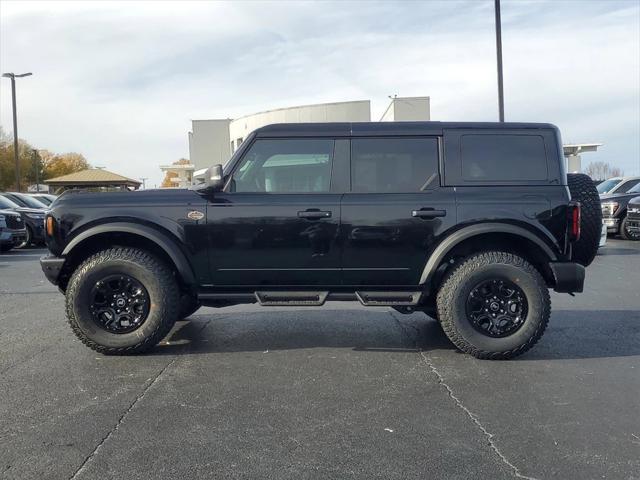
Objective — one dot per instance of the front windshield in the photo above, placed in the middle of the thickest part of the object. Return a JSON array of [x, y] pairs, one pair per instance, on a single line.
[[8, 204], [31, 202], [607, 185]]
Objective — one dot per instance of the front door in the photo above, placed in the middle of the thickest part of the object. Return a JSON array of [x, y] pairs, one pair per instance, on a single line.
[[277, 221], [395, 211]]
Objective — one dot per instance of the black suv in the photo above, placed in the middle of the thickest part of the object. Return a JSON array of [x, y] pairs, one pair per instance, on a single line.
[[471, 223], [615, 213]]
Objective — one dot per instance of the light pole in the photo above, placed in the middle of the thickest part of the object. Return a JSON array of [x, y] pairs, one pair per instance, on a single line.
[[144, 182], [13, 77], [499, 55], [36, 162]]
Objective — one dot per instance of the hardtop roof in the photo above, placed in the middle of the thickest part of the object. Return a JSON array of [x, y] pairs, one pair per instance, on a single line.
[[385, 128]]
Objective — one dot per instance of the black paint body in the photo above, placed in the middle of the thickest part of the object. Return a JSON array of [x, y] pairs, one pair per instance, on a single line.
[[247, 242]]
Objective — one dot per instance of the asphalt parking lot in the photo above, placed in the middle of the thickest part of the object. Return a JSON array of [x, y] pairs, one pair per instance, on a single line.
[[340, 392]]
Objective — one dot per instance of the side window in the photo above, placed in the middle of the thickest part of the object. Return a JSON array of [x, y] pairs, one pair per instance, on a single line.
[[503, 158], [285, 166], [626, 186], [393, 165]]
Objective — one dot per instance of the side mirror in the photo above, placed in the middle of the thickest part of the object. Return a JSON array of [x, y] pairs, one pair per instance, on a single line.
[[214, 178]]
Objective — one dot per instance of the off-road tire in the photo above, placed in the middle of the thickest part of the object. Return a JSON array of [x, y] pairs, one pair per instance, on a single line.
[[459, 282], [151, 272], [188, 305], [626, 235], [584, 191]]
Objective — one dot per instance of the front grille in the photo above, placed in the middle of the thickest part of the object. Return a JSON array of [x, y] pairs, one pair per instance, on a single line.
[[14, 221], [633, 213]]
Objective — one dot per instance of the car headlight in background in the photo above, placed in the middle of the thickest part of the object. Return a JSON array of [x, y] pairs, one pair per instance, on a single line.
[[2, 217], [609, 208]]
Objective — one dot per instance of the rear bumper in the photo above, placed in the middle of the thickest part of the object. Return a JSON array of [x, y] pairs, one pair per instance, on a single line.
[[51, 266], [569, 276]]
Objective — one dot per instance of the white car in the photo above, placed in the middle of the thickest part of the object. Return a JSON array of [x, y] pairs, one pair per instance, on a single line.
[[617, 185]]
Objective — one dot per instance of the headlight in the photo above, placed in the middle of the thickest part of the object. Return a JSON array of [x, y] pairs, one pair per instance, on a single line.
[[2, 217], [609, 208]]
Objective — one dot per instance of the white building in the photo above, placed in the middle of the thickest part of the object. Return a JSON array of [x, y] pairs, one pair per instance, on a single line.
[[214, 141]]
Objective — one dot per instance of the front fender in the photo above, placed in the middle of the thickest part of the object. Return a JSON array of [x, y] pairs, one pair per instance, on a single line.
[[162, 240]]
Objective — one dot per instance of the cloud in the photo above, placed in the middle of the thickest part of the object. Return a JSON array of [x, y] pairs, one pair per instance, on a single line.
[[120, 81]]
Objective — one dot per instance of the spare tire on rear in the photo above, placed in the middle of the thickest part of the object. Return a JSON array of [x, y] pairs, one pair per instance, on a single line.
[[583, 190]]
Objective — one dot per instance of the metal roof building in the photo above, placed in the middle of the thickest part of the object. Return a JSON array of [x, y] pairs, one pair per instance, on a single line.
[[95, 178]]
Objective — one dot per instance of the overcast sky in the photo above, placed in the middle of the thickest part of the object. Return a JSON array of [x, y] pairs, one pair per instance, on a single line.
[[120, 82]]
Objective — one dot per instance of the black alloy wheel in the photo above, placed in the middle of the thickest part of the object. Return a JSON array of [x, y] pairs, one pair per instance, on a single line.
[[497, 307], [119, 303]]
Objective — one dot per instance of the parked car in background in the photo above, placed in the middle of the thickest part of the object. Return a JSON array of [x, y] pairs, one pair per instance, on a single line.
[[25, 200], [615, 213], [633, 218], [33, 218], [13, 232], [617, 185], [45, 198]]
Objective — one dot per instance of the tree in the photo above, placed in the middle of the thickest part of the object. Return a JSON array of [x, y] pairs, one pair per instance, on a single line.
[[166, 182], [48, 164], [602, 171], [57, 165]]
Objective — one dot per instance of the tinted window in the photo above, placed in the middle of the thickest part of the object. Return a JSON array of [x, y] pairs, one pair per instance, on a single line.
[[8, 204], [285, 166], [607, 185], [393, 165], [627, 186], [503, 158]]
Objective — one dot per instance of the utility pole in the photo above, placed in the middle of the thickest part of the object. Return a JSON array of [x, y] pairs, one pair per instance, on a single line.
[[36, 162], [499, 54], [16, 156], [144, 182]]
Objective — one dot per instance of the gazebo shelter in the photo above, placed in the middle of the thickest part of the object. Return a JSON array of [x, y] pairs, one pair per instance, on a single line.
[[92, 179]]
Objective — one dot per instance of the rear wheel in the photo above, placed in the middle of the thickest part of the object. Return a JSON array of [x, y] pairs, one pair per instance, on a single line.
[[494, 305], [584, 191], [121, 301], [626, 233]]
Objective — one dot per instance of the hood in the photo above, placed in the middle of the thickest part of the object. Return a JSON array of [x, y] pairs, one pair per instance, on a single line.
[[635, 201], [618, 196], [35, 211], [9, 212], [168, 196]]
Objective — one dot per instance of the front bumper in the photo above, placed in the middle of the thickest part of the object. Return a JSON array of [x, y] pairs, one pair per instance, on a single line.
[[569, 276], [13, 237], [633, 222], [612, 224], [52, 266]]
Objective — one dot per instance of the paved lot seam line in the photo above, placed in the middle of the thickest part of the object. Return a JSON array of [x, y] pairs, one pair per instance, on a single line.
[[473, 418], [120, 420]]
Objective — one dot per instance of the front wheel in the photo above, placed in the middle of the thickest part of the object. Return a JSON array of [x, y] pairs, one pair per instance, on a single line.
[[627, 234], [494, 305], [121, 301]]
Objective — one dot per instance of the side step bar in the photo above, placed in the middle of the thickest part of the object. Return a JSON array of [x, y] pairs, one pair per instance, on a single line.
[[388, 299], [311, 299]]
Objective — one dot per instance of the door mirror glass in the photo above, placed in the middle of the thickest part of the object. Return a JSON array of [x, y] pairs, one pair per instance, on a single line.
[[215, 178]]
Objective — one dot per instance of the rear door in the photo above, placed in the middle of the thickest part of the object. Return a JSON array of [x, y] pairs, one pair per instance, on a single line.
[[277, 221], [395, 210]]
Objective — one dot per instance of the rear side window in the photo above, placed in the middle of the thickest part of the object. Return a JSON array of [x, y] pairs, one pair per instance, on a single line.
[[503, 158], [393, 165]]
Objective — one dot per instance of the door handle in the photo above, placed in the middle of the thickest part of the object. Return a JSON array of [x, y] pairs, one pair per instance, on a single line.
[[314, 214], [428, 213]]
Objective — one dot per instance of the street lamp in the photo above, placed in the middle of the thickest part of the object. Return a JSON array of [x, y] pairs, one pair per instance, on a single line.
[[13, 77], [499, 58]]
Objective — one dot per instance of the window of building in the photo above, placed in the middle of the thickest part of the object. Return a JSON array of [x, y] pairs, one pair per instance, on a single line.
[[503, 158], [285, 166], [393, 165]]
